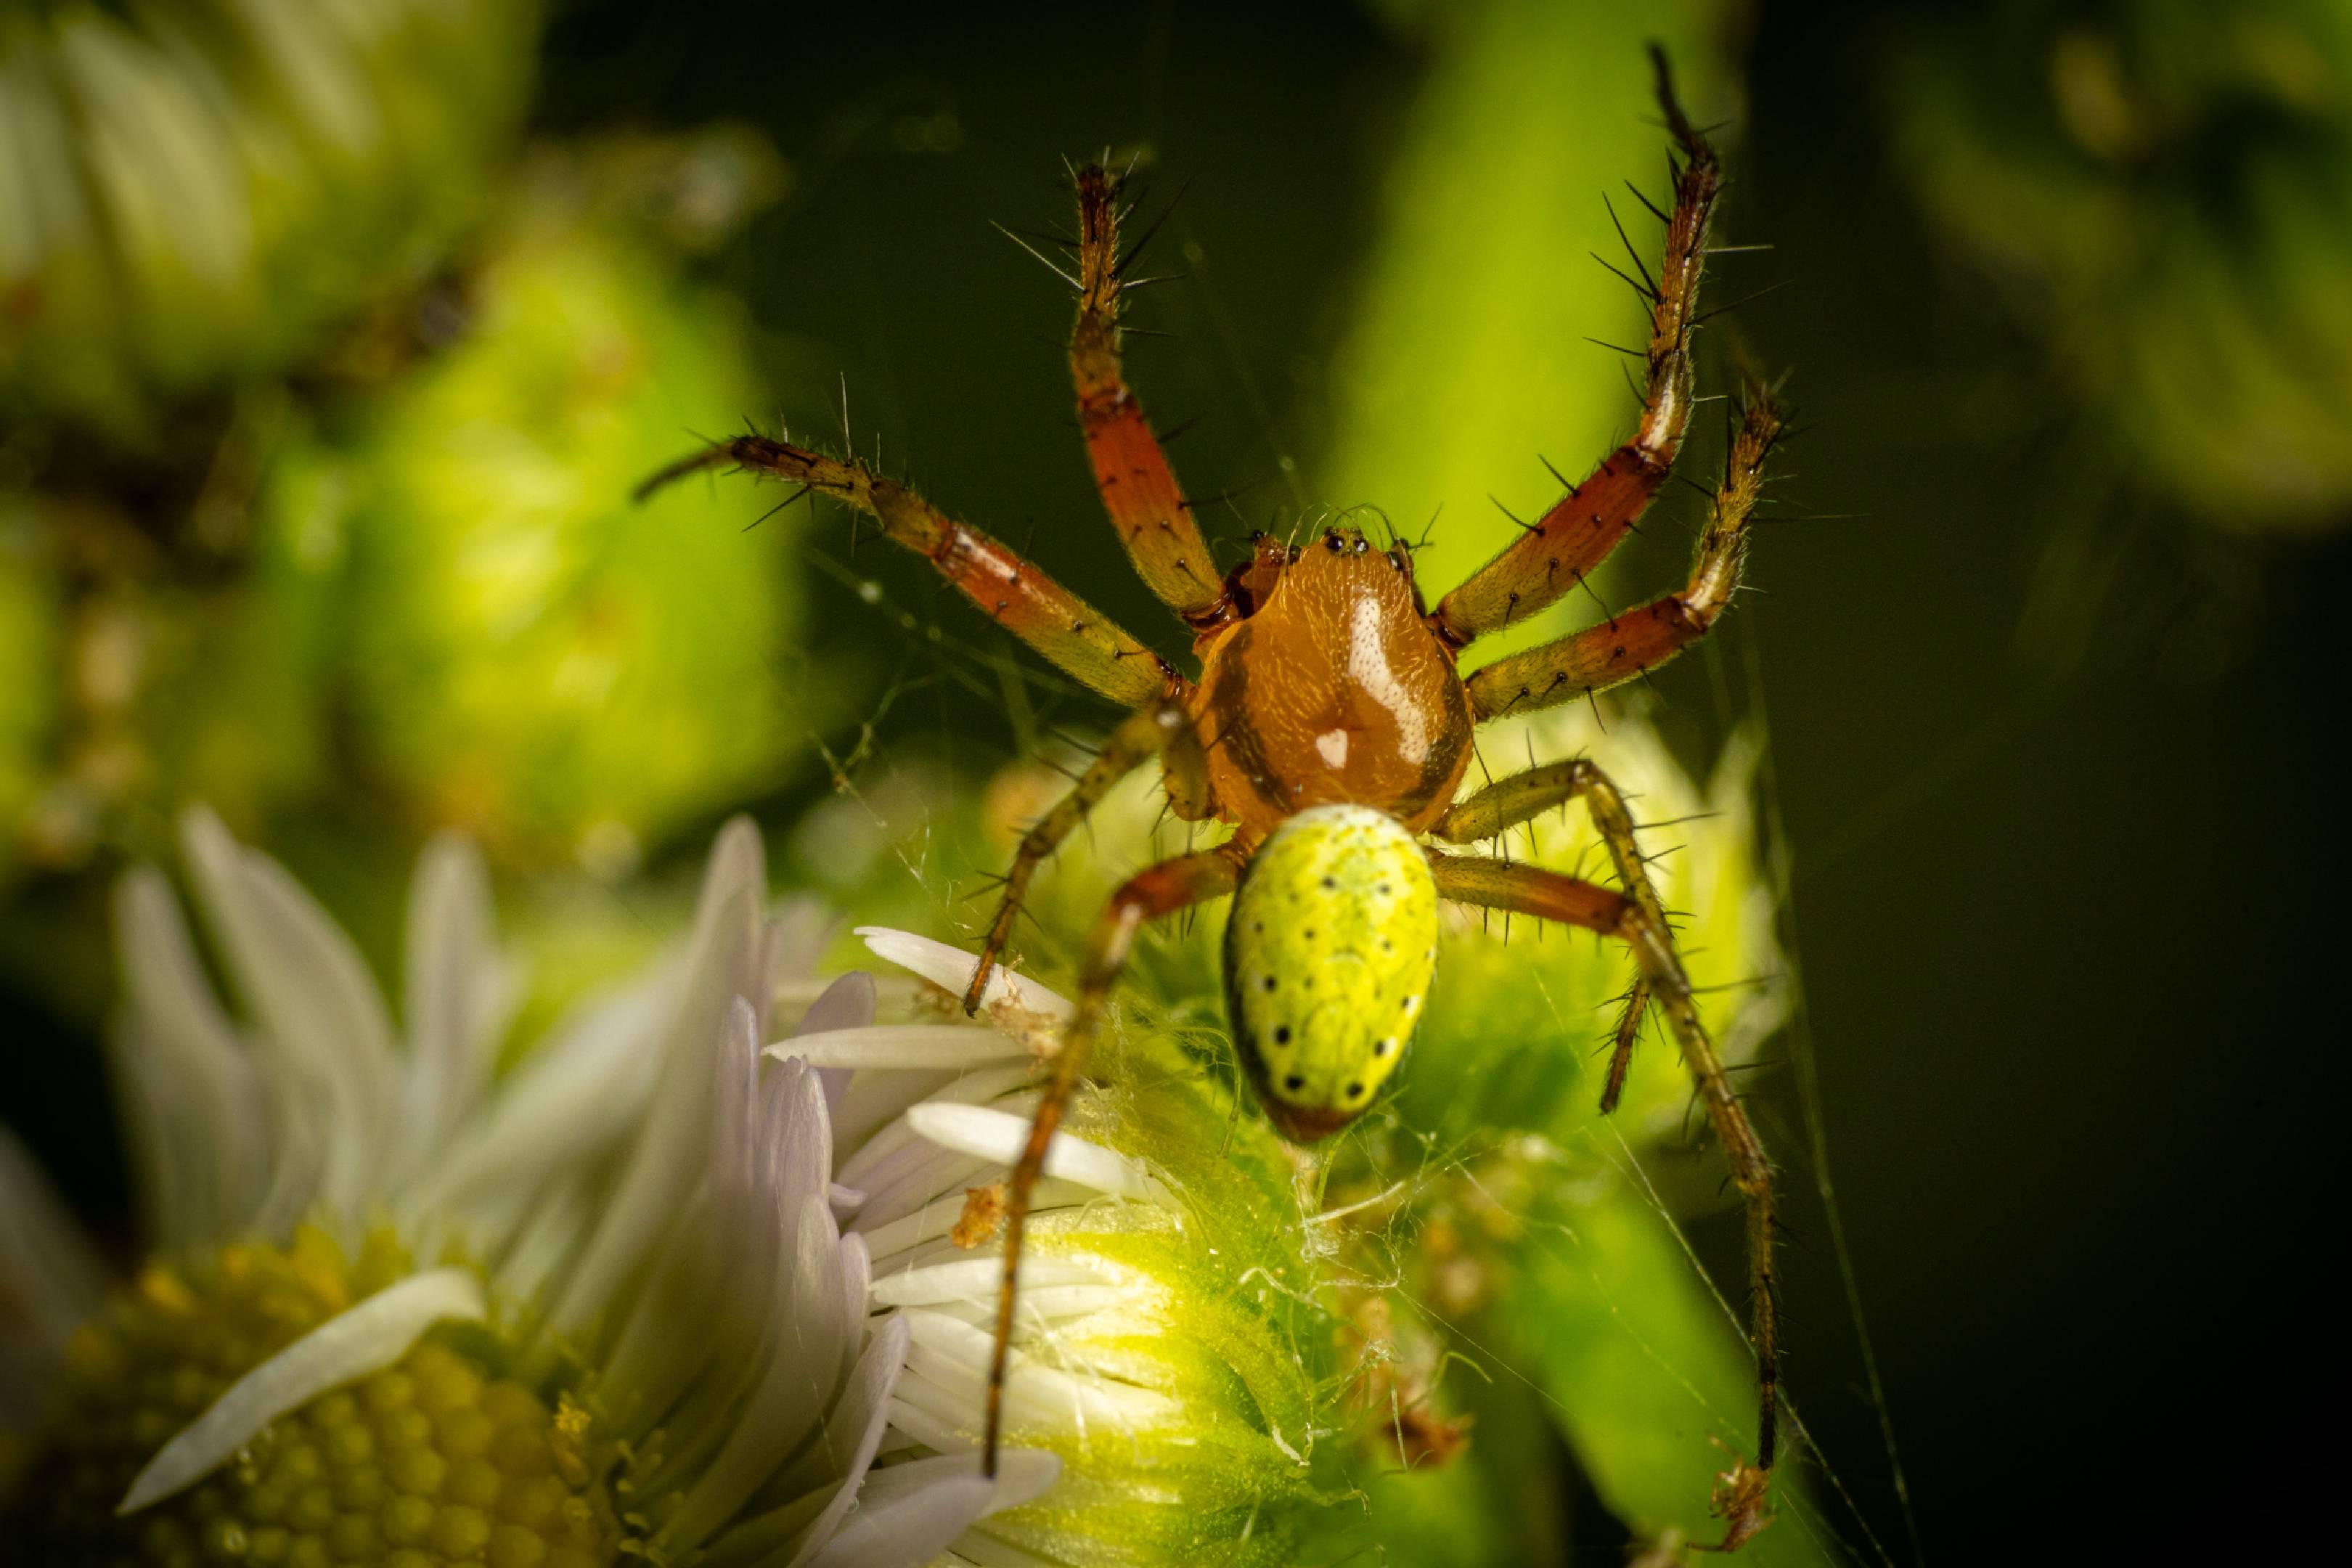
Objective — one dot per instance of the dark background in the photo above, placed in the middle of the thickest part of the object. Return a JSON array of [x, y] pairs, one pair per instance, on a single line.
[[2066, 859]]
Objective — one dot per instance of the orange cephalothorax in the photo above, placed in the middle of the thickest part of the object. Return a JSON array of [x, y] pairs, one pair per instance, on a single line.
[[1333, 689]]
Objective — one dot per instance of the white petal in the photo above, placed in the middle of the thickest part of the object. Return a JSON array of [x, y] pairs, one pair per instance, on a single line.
[[567, 1102], [857, 1268], [797, 1387], [919, 1425], [854, 1431], [796, 937], [926, 1175], [203, 1129], [970, 1279], [870, 1111], [902, 1045], [998, 1136], [459, 993], [933, 1221], [736, 1132], [48, 1270], [651, 1365], [667, 1163], [908, 1514], [954, 1356], [351, 1346], [318, 1008], [872, 1092], [797, 1162], [951, 969], [1053, 1288], [845, 1004], [1049, 1309], [541, 1227]]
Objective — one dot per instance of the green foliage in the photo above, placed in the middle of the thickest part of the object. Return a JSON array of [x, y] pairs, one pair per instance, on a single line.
[[189, 194], [531, 656], [138, 681], [1520, 1013], [423, 600], [2165, 194], [1498, 1500], [1642, 1372], [28, 650]]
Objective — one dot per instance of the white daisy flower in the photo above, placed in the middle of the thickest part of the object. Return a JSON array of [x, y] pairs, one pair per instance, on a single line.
[[399, 1309], [670, 1288]]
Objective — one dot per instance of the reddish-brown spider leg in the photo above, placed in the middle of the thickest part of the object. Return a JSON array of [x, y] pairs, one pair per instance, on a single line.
[[1154, 520], [1135, 742], [1643, 638], [1087, 646], [1583, 526], [1635, 916], [1150, 894], [1621, 1042]]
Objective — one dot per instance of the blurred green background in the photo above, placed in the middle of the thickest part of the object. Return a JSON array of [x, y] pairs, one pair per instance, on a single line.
[[329, 351]]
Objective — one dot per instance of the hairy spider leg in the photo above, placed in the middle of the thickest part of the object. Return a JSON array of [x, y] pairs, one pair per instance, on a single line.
[[1082, 642], [1638, 640], [1135, 742], [1139, 490], [1557, 551], [1152, 518], [1638, 919], [1150, 894], [1493, 884], [1621, 1039]]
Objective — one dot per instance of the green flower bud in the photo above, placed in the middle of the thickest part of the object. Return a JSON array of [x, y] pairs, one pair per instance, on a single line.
[[1176, 1344], [200, 189], [436, 603], [532, 655]]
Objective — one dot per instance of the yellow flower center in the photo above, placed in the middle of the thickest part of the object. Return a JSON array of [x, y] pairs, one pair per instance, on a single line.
[[438, 1459]]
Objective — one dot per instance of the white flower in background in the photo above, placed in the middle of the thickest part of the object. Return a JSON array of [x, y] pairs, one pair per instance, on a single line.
[[663, 1287], [398, 1308]]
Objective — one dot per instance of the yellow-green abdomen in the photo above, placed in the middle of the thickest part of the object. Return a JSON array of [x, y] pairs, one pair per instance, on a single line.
[[1329, 956]]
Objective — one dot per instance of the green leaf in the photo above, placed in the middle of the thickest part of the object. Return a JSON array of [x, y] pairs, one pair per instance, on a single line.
[[1644, 1372]]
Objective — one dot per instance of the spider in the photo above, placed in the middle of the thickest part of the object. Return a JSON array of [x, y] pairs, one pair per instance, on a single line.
[[1329, 727]]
